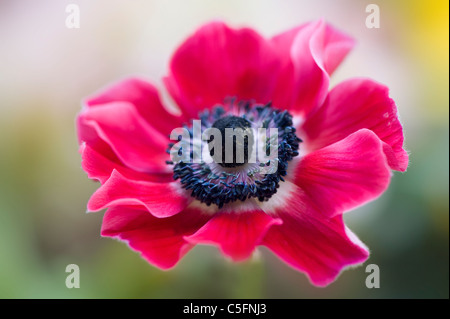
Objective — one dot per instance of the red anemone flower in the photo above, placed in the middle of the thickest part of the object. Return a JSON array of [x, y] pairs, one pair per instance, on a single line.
[[336, 150]]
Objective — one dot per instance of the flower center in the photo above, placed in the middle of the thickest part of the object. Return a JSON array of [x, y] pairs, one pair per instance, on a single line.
[[248, 147], [237, 141]]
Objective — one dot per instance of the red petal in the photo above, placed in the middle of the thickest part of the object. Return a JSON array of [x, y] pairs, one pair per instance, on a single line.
[[235, 232], [159, 240], [310, 53], [89, 136], [345, 174], [283, 41], [334, 48], [100, 167], [118, 124], [160, 199], [144, 96], [353, 105], [320, 247], [218, 62]]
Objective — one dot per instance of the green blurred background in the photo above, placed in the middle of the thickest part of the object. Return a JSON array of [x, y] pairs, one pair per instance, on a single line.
[[46, 69]]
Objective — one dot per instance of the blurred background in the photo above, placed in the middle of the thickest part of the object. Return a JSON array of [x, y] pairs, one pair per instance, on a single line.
[[46, 69]]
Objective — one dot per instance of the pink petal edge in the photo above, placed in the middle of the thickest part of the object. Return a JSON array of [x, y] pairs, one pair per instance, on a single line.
[[160, 199]]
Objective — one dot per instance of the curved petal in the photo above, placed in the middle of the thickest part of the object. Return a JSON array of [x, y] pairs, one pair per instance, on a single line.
[[219, 62], [283, 41], [345, 174], [353, 105], [144, 96], [235, 232], [100, 167], [87, 135], [160, 199], [334, 45], [334, 48], [159, 240], [310, 54], [118, 124], [320, 247], [283, 95]]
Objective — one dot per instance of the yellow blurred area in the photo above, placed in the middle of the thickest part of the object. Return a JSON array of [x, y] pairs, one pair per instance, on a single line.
[[425, 27], [429, 34]]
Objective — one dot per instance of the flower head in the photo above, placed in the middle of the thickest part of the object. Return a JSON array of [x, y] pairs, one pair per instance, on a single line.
[[333, 150]]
